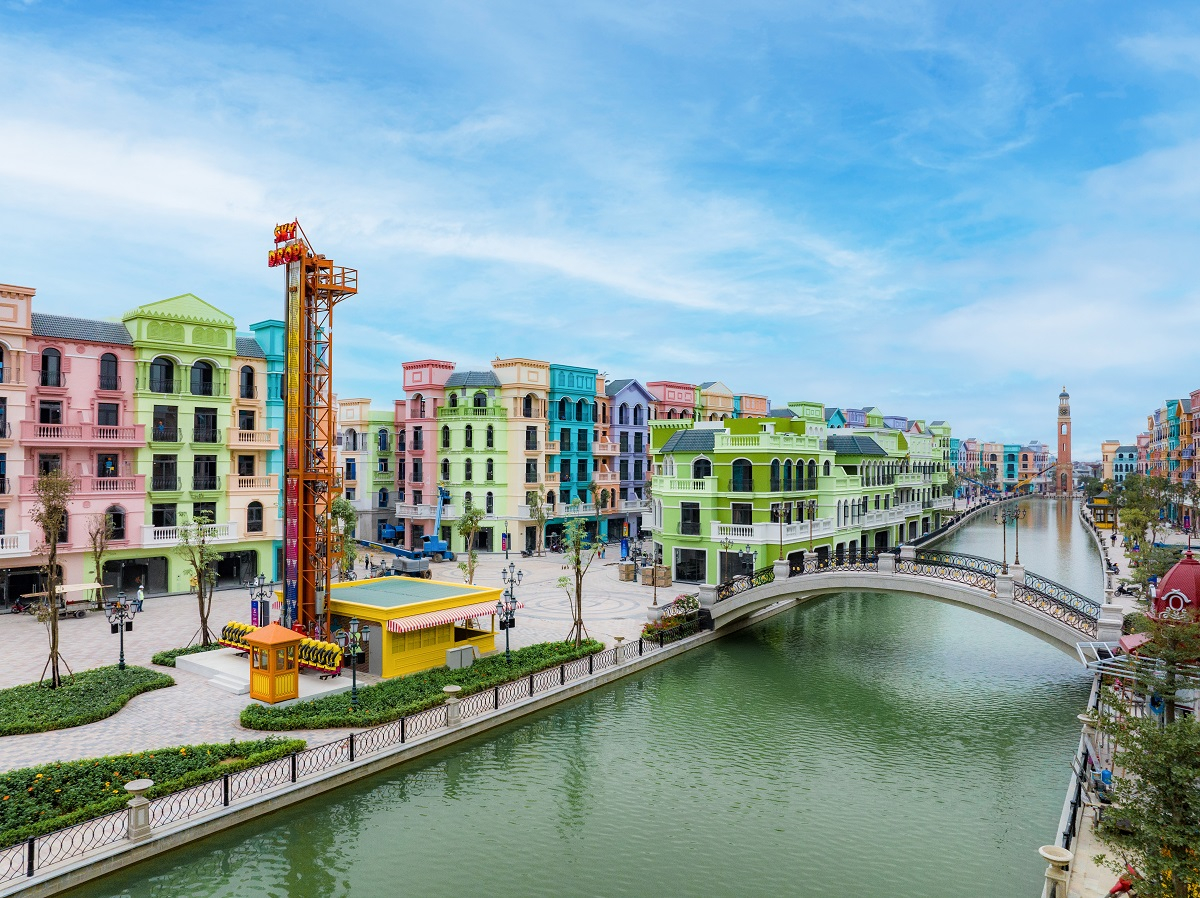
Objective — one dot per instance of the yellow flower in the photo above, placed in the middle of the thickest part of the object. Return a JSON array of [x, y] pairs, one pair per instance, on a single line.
[[58, 790], [6, 798], [38, 777]]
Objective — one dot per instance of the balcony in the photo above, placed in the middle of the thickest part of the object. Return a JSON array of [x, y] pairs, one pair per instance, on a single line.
[[739, 486], [634, 505], [254, 483], [165, 483], [606, 477], [83, 434], [108, 382], [10, 374], [579, 509], [206, 435], [13, 545], [552, 478], [383, 477], [416, 511], [467, 411], [784, 442], [769, 531], [169, 536], [680, 485], [164, 385], [531, 447], [940, 477], [5, 486], [943, 502], [552, 447], [910, 508], [206, 483], [113, 486], [5, 431], [604, 447], [165, 434], [258, 439], [909, 480], [797, 485]]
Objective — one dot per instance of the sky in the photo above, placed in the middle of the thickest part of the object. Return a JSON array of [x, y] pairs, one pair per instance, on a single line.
[[946, 210]]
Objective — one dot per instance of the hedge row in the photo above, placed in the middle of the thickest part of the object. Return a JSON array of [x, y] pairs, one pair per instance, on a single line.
[[38, 800], [167, 657], [393, 699], [85, 697]]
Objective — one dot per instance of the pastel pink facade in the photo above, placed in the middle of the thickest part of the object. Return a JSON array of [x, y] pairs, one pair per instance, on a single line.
[[417, 433], [674, 399]]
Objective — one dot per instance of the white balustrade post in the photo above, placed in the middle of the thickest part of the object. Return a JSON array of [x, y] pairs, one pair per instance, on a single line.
[[1057, 873], [782, 568], [453, 705], [887, 563], [138, 827]]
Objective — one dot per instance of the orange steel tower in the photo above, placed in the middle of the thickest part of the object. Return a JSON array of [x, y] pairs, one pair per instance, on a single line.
[[311, 480]]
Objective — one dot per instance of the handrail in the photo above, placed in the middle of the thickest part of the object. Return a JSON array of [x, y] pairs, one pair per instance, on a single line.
[[745, 581], [961, 560]]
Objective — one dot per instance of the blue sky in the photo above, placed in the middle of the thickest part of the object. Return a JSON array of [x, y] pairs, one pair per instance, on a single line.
[[946, 210]]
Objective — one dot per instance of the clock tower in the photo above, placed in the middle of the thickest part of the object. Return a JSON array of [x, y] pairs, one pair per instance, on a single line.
[[1064, 472]]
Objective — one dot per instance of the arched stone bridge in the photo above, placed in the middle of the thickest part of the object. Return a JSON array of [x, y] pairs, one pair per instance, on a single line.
[[1034, 603]]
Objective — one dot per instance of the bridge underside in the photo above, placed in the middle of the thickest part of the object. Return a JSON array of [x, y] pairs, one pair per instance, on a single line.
[[810, 586]]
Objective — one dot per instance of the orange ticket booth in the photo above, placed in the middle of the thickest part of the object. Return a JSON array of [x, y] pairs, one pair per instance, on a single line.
[[274, 663]]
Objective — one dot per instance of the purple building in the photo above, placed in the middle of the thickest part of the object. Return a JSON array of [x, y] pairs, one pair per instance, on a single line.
[[630, 403]]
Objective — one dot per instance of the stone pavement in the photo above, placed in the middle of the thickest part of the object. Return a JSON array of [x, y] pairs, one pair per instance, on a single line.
[[193, 711]]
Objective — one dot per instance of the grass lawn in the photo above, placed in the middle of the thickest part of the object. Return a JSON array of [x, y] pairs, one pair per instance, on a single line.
[[393, 699], [37, 800], [84, 697], [166, 658]]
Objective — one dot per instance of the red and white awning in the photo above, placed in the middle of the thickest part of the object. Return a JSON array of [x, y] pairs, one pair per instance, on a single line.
[[437, 618]]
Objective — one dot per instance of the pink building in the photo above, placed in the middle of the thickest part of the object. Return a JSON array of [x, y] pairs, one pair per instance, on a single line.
[[416, 432], [673, 399]]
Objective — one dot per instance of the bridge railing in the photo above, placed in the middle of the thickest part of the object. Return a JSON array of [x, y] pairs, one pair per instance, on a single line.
[[977, 576], [731, 588], [1056, 608], [1062, 594], [846, 563], [960, 560]]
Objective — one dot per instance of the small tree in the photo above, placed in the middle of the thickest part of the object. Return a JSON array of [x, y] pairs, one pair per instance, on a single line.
[[537, 514], [197, 552], [468, 528], [99, 533], [53, 491], [346, 547], [578, 554], [1156, 801]]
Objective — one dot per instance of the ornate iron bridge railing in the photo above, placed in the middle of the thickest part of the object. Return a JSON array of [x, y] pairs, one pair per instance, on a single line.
[[848, 563], [1059, 610], [960, 560], [968, 576], [732, 587], [1063, 595]]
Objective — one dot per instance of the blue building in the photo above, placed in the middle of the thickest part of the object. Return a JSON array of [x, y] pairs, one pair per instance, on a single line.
[[573, 416], [1125, 461], [630, 403]]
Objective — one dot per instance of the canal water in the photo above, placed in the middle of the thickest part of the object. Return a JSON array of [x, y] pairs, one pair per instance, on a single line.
[[866, 744]]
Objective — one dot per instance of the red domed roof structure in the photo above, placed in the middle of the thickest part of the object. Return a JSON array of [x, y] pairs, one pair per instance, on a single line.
[[1178, 593]]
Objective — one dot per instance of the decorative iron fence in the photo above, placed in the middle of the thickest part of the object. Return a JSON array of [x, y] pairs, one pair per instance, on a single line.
[[1063, 594], [847, 563], [967, 576], [1057, 609], [747, 581], [960, 560], [27, 858]]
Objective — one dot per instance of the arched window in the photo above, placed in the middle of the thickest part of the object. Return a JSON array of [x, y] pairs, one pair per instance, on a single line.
[[383, 498], [713, 416], [825, 470], [1, 364], [116, 522], [445, 436], [491, 437], [418, 403], [580, 410], [385, 440], [490, 469], [246, 383], [446, 469], [550, 498], [469, 437], [604, 413], [604, 498], [787, 474], [527, 405], [51, 368], [743, 476], [202, 379], [563, 409], [623, 414], [468, 470], [453, 400], [489, 503], [479, 400], [108, 372], [701, 468], [637, 415], [350, 440], [595, 411], [671, 414], [775, 479]]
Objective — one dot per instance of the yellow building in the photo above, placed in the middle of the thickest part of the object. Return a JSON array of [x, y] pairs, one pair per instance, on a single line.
[[413, 622], [1104, 513]]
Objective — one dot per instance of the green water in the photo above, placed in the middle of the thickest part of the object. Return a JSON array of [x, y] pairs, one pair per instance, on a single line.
[[865, 744]]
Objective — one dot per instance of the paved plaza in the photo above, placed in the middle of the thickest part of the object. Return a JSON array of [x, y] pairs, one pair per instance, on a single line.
[[195, 711]]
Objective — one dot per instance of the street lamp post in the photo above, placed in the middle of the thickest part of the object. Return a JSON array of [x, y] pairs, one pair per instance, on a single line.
[[506, 606], [260, 594], [353, 640], [120, 612], [1002, 518]]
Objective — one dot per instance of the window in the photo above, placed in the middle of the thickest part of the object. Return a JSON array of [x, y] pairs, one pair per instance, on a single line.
[[743, 476], [417, 473], [689, 518], [701, 468], [453, 400], [204, 473], [690, 565], [3, 417], [49, 412], [638, 418], [204, 428], [527, 406], [489, 503], [595, 409], [106, 464], [468, 470], [531, 471], [162, 515], [116, 522], [581, 469], [624, 468], [245, 465], [479, 400], [384, 439], [418, 441], [445, 437], [381, 464], [581, 410], [469, 437], [491, 470], [51, 368], [624, 441], [564, 440], [637, 443], [351, 469], [108, 414], [467, 499], [563, 410], [637, 469], [742, 513], [2, 523], [246, 387], [623, 414], [49, 461], [202, 379], [162, 376], [583, 440], [351, 494], [418, 403], [384, 498], [564, 470], [491, 437], [825, 471], [530, 437], [164, 473], [108, 372], [445, 469], [204, 511]]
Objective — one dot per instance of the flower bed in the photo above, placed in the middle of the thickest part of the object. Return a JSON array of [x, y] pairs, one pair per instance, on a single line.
[[669, 626], [37, 800], [393, 699], [167, 658], [85, 697]]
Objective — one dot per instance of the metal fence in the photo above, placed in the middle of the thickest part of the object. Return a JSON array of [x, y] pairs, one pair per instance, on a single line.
[[740, 584], [847, 563], [27, 858]]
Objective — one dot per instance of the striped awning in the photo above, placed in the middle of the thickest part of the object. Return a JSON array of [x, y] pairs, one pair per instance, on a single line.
[[437, 618]]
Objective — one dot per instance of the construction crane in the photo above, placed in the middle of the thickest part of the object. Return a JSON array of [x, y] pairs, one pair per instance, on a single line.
[[311, 479]]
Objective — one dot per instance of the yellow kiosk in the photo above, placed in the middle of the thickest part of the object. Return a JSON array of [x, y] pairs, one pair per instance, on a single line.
[[274, 663], [414, 622]]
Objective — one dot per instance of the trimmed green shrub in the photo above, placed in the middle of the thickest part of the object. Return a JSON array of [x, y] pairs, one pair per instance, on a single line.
[[393, 699], [167, 657], [85, 697], [38, 800]]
